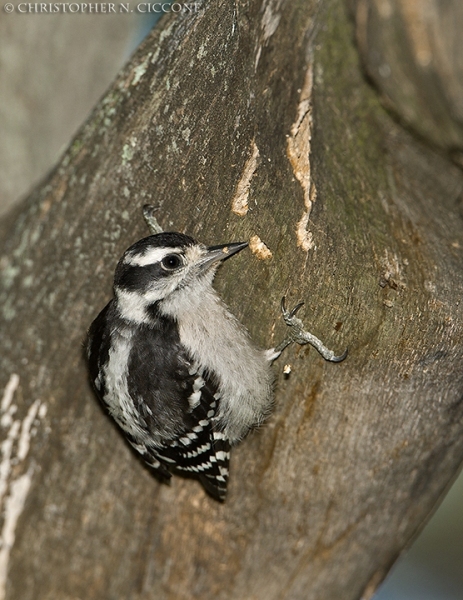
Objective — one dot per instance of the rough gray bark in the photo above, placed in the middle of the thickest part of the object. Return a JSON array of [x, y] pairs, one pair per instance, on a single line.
[[243, 119]]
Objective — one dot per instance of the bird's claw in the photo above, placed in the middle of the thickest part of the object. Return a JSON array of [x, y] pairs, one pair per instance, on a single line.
[[150, 219], [299, 335], [289, 314]]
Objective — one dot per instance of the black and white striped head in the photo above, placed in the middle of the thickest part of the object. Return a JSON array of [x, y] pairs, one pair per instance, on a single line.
[[165, 266]]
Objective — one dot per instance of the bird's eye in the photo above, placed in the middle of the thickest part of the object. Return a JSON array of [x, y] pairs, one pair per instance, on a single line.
[[171, 262]]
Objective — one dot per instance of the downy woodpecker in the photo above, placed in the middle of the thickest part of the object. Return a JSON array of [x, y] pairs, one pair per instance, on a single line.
[[174, 368]]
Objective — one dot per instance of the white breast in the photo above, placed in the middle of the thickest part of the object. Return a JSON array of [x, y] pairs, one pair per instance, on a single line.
[[217, 341]]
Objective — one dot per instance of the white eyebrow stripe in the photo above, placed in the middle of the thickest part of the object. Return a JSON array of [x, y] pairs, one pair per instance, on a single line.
[[152, 256]]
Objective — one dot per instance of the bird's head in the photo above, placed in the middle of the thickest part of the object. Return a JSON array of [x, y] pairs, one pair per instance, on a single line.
[[164, 267]]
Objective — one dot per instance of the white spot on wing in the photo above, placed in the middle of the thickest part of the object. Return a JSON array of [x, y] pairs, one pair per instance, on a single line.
[[198, 384], [169, 460], [194, 399]]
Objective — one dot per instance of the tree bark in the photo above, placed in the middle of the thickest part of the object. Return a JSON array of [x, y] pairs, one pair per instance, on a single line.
[[240, 120]]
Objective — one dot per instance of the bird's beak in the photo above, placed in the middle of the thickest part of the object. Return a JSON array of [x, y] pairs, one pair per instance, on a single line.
[[220, 253]]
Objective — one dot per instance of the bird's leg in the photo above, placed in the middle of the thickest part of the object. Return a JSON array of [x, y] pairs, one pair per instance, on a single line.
[[300, 336], [150, 219]]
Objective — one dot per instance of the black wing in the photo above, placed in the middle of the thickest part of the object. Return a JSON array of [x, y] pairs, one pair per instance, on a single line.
[[187, 399], [202, 451]]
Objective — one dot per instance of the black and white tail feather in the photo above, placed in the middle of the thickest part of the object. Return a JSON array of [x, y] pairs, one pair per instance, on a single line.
[[174, 368]]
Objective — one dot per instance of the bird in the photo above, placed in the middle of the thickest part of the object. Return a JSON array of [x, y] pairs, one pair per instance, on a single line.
[[174, 367]]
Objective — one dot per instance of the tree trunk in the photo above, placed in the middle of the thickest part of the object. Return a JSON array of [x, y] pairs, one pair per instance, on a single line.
[[238, 120]]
